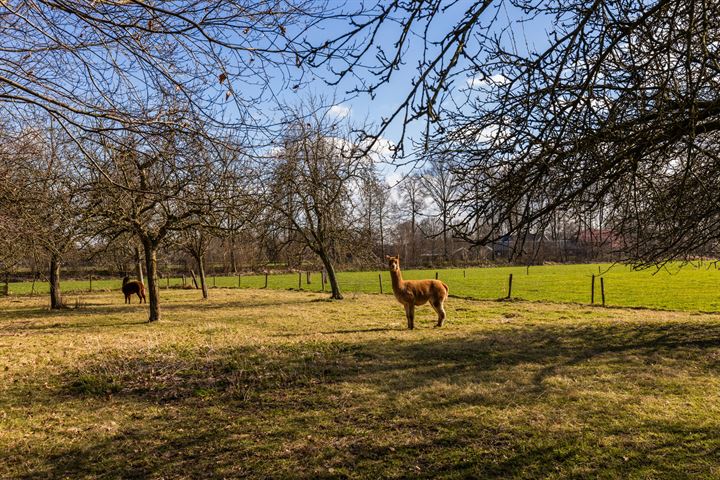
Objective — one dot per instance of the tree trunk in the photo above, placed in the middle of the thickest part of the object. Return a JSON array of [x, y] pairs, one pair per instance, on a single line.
[[138, 265], [233, 260], [55, 294], [382, 240], [446, 256], [201, 270], [412, 231], [335, 288], [152, 280]]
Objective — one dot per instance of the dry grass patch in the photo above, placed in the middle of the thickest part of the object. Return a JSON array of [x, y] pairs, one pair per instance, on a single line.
[[282, 384]]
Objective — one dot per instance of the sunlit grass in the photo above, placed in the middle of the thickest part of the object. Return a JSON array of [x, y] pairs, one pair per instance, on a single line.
[[259, 384], [692, 287]]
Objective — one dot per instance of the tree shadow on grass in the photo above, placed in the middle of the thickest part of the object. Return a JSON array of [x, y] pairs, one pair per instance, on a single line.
[[340, 332], [392, 408], [57, 319]]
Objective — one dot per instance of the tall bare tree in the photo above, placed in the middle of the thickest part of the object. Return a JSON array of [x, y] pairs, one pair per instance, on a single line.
[[412, 204], [196, 242], [158, 184], [441, 188], [319, 169], [44, 195], [374, 200]]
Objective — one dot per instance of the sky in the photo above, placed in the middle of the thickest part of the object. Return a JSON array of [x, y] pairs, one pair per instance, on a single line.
[[362, 107]]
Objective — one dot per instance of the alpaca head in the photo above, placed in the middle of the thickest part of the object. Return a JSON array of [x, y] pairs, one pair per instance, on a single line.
[[126, 280], [393, 262]]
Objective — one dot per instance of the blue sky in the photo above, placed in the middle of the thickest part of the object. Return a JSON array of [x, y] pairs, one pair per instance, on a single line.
[[361, 108], [388, 96]]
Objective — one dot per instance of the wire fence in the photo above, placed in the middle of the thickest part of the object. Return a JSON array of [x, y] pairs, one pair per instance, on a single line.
[[692, 288]]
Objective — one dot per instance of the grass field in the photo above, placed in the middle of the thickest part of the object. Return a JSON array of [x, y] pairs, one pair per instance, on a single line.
[[281, 384], [691, 288]]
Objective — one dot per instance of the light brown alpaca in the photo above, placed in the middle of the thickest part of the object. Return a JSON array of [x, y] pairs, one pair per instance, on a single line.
[[417, 292]]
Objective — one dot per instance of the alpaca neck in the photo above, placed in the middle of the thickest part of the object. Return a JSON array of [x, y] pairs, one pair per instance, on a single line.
[[397, 280]]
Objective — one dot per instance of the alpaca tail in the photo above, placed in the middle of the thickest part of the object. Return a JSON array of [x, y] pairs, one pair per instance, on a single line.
[[447, 290]]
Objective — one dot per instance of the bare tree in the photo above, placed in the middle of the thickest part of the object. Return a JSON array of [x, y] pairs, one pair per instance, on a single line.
[[412, 204], [374, 198], [318, 170], [196, 241], [102, 68], [619, 108], [13, 235], [441, 187], [240, 215], [156, 185], [43, 195]]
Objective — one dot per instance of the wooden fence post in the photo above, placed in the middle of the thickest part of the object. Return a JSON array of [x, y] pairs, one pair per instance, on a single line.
[[299, 280], [509, 286], [602, 290], [266, 275], [322, 279], [463, 273], [239, 280], [592, 290], [183, 280], [380, 279], [436, 275], [307, 277]]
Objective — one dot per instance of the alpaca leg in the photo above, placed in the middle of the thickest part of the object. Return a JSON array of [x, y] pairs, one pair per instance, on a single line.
[[410, 314], [440, 309]]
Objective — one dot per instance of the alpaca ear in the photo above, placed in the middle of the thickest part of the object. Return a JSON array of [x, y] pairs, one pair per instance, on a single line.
[[387, 257]]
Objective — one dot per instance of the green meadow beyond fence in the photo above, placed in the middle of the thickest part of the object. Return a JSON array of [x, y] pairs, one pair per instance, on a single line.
[[690, 287]]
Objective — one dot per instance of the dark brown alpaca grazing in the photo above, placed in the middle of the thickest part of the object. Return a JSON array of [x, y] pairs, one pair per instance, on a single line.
[[417, 292], [130, 287]]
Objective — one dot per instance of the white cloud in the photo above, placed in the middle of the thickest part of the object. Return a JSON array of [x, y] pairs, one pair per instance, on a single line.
[[394, 178], [484, 81], [339, 111], [384, 147], [487, 134]]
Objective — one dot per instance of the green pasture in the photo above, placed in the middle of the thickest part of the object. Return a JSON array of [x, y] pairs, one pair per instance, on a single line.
[[690, 287], [285, 384]]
